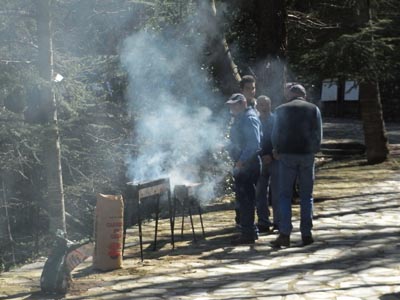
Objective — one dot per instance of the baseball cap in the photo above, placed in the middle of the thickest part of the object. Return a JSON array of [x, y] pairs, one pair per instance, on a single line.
[[289, 84], [235, 98]]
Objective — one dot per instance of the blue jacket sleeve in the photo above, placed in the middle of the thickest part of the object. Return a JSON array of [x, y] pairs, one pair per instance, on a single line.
[[251, 129]]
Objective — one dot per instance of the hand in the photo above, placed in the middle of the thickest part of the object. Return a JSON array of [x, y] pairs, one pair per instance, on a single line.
[[239, 164], [266, 159], [275, 154]]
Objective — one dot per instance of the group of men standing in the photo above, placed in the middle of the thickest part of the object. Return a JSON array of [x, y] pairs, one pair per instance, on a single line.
[[272, 151]]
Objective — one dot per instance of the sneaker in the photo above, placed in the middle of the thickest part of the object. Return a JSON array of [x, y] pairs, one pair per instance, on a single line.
[[263, 228], [307, 240], [242, 240], [282, 240]]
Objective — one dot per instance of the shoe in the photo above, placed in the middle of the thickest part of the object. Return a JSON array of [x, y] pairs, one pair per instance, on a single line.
[[307, 240], [263, 228], [242, 240], [282, 240], [275, 229]]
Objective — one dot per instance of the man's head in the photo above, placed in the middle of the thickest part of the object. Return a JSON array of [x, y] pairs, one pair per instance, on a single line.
[[263, 105], [248, 87], [237, 103], [294, 90]]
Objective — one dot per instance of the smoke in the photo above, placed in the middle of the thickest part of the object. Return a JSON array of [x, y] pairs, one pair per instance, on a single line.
[[176, 132]]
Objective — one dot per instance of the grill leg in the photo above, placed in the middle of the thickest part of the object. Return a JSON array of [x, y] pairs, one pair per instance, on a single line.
[[124, 237], [156, 228], [183, 218], [201, 221], [172, 218], [140, 231], [128, 221], [191, 222]]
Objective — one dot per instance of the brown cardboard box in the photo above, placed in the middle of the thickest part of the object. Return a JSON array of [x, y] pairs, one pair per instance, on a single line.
[[109, 225]]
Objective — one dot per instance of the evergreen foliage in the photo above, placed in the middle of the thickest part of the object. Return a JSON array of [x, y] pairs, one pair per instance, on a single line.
[[333, 39]]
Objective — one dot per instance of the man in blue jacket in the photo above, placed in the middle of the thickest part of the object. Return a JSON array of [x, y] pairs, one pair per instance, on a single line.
[[267, 185], [296, 137], [244, 150]]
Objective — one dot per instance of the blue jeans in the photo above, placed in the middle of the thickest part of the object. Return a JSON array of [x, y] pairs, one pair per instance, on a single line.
[[267, 193], [292, 166], [245, 190]]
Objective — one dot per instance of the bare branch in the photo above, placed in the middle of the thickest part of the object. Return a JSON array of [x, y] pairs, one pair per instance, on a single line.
[[16, 12], [7, 61], [309, 22]]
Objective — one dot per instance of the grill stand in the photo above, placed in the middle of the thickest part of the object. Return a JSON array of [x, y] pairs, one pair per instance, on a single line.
[[184, 195]]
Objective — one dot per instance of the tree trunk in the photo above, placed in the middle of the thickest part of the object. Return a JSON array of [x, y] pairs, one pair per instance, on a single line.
[[218, 56], [376, 141], [270, 19], [51, 145], [5, 223]]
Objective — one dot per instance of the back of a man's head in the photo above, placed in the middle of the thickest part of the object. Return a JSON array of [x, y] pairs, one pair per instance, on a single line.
[[298, 90], [295, 90]]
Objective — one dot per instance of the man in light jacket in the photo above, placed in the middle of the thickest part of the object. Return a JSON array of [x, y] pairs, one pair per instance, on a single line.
[[244, 148]]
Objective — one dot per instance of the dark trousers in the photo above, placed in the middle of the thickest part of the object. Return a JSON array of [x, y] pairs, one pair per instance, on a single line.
[[245, 189]]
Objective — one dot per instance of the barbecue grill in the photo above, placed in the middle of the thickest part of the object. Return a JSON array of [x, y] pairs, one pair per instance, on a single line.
[[137, 195]]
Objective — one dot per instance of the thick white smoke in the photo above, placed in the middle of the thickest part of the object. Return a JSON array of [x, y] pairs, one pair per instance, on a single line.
[[175, 130]]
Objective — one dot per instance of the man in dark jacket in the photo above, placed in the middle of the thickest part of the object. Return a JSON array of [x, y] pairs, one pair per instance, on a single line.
[[244, 147], [296, 137]]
